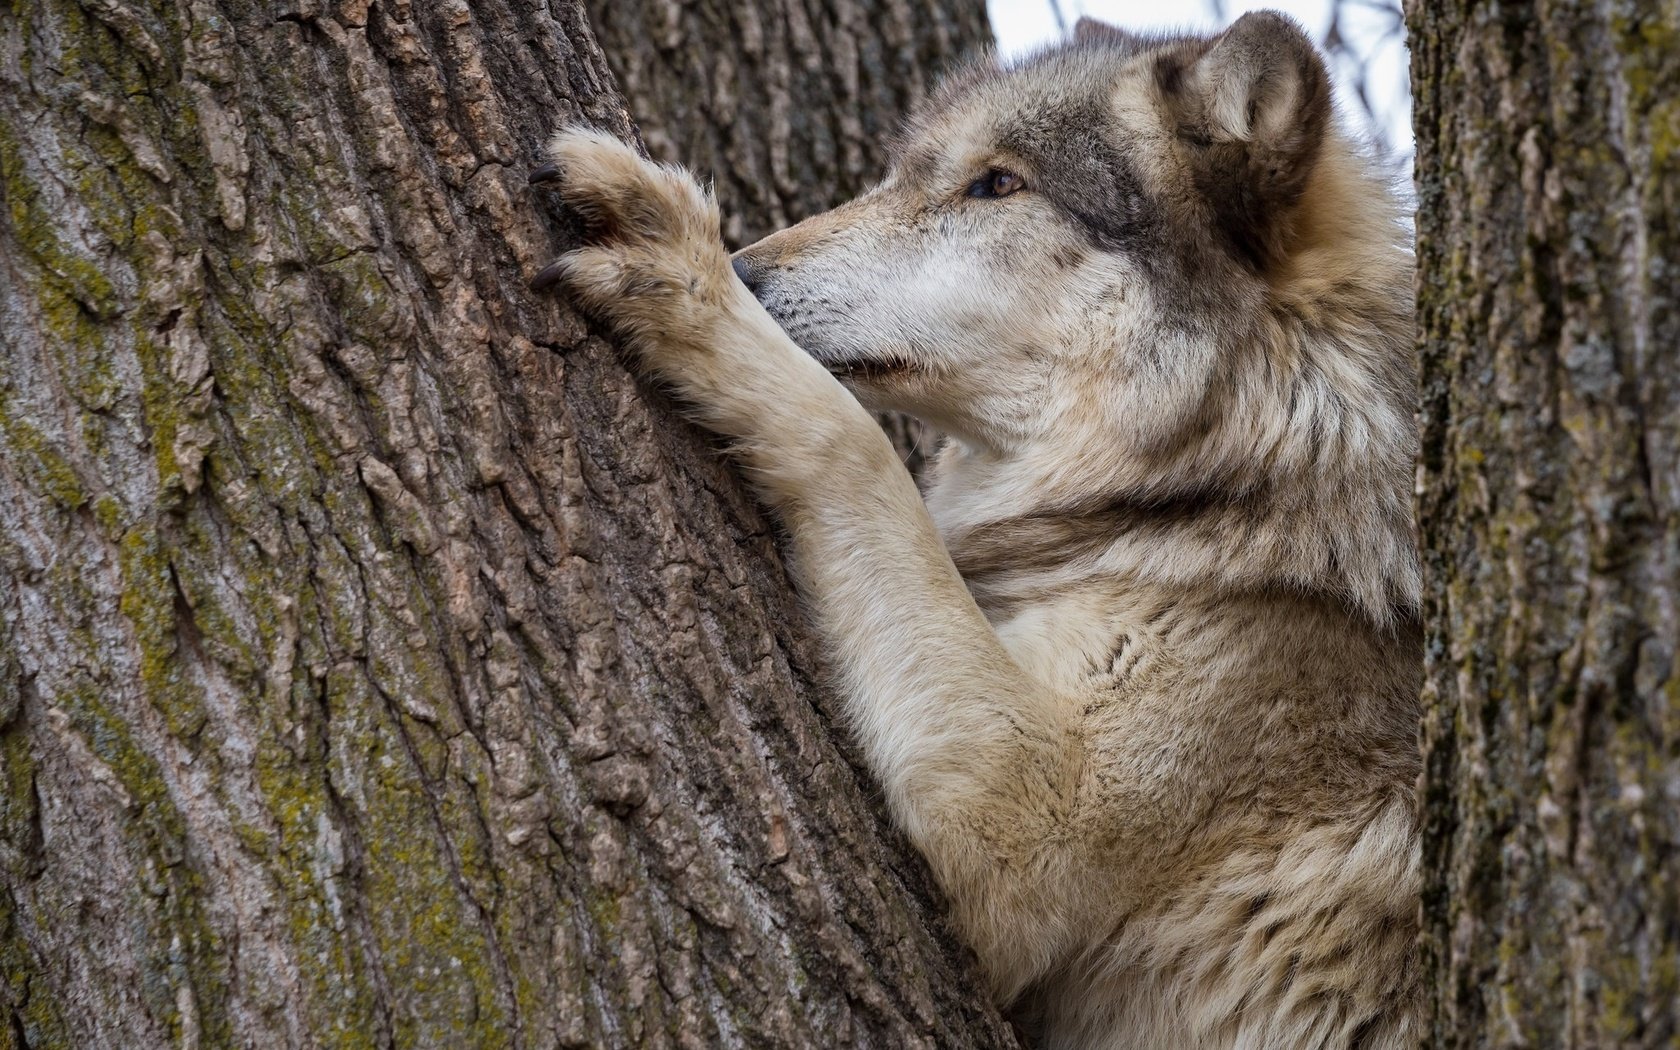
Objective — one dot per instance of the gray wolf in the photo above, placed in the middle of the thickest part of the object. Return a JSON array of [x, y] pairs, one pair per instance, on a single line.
[[1139, 678]]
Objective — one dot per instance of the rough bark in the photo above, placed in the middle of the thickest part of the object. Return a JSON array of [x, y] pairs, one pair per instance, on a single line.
[[1549, 256], [787, 106], [379, 666]]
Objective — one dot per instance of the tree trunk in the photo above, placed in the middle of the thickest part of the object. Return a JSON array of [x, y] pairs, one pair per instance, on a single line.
[[1549, 256], [378, 665], [786, 105]]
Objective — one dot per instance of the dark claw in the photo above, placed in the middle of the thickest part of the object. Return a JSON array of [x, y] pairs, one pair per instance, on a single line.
[[548, 276], [544, 173]]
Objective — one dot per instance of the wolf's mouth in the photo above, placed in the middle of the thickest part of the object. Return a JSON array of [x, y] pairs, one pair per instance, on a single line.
[[869, 367]]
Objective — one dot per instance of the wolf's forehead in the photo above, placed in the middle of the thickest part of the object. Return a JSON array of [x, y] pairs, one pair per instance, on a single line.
[[1044, 105]]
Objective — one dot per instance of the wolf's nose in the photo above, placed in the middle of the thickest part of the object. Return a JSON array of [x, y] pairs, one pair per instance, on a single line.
[[750, 275]]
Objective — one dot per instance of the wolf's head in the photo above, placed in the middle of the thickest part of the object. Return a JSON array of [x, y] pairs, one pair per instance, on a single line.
[[1098, 207], [1153, 257]]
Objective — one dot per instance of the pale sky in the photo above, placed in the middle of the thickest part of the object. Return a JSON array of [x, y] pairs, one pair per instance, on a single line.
[[1021, 25]]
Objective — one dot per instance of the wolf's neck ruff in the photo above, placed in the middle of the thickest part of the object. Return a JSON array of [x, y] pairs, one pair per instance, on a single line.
[[1310, 497]]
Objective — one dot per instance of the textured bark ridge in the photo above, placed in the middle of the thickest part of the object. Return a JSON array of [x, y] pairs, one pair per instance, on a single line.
[[1549, 257], [785, 105], [378, 665]]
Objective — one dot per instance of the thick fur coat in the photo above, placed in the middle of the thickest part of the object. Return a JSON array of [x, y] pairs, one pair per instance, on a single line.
[[1139, 676]]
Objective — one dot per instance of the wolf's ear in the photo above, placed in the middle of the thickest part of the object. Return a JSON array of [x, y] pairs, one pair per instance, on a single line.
[[1090, 31], [1251, 110]]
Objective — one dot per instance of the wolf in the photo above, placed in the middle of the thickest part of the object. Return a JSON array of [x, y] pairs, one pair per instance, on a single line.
[[1139, 676]]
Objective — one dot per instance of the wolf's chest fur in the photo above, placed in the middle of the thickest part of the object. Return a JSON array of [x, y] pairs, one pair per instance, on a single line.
[[1247, 750], [1081, 638], [1273, 732]]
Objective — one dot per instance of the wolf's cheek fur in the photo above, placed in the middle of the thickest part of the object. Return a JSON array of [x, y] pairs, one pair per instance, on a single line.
[[954, 314]]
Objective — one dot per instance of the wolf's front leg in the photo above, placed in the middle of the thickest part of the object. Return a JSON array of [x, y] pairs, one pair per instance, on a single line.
[[978, 762]]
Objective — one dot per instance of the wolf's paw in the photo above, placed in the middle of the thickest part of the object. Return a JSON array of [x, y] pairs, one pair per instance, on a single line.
[[654, 263]]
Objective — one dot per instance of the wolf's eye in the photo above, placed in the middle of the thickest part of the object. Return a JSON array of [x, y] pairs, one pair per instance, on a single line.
[[996, 183]]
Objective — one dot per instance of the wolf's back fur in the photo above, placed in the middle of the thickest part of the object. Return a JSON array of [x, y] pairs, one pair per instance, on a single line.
[[1140, 677]]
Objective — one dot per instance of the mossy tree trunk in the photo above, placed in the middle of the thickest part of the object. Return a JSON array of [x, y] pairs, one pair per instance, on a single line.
[[1549, 258], [379, 665], [786, 106]]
